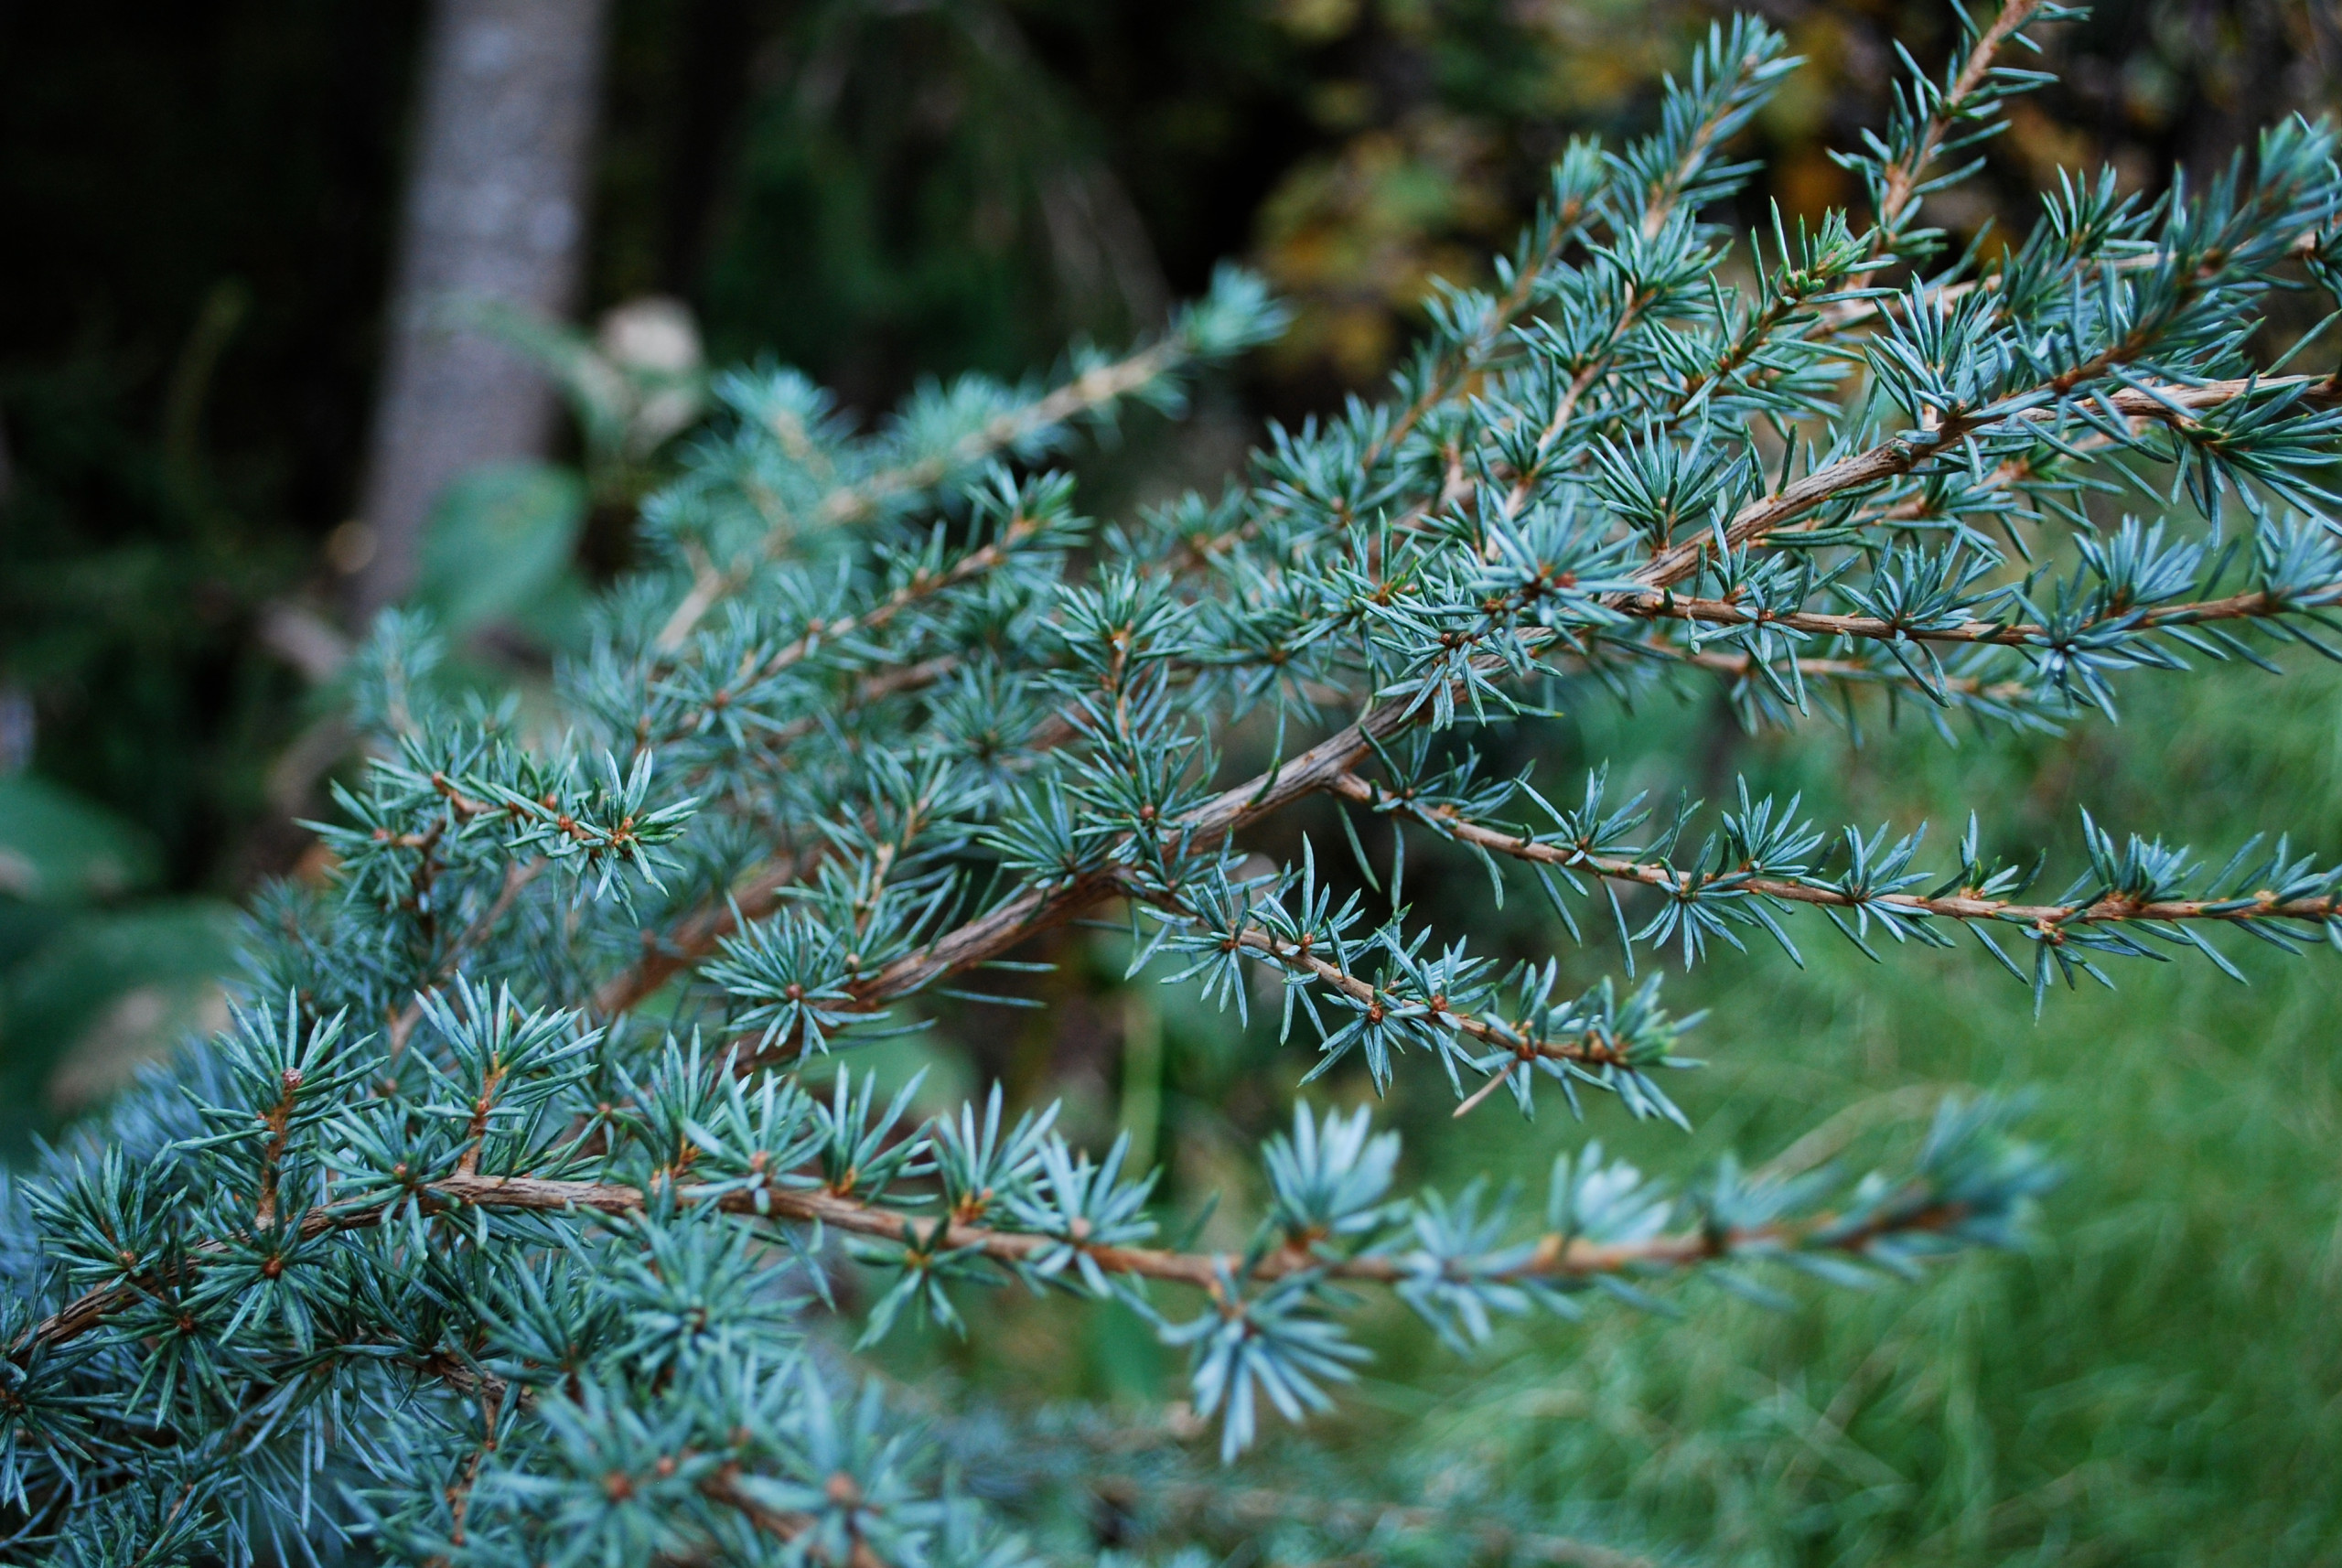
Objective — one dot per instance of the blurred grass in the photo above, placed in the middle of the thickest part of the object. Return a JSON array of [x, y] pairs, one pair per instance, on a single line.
[[2159, 1378]]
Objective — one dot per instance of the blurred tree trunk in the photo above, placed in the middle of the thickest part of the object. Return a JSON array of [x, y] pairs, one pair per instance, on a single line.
[[495, 211]]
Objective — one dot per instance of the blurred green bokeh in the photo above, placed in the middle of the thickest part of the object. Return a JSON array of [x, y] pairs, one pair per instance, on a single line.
[[98, 976]]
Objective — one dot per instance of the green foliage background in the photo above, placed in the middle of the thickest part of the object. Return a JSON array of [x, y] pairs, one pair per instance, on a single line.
[[877, 193]]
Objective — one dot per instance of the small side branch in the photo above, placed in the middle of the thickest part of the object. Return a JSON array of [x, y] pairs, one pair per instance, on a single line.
[[2046, 919]]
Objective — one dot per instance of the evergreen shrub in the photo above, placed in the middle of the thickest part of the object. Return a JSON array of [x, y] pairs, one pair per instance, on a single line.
[[507, 1224]]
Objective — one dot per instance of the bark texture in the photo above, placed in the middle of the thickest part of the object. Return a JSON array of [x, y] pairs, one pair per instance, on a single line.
[[495, 211]]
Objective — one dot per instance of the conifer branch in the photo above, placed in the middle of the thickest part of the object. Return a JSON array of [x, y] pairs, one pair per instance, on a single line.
[[940, 714], [1090, 390], [2256, 605], [2047, 921], [1899, 183], [1554, 1256]]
